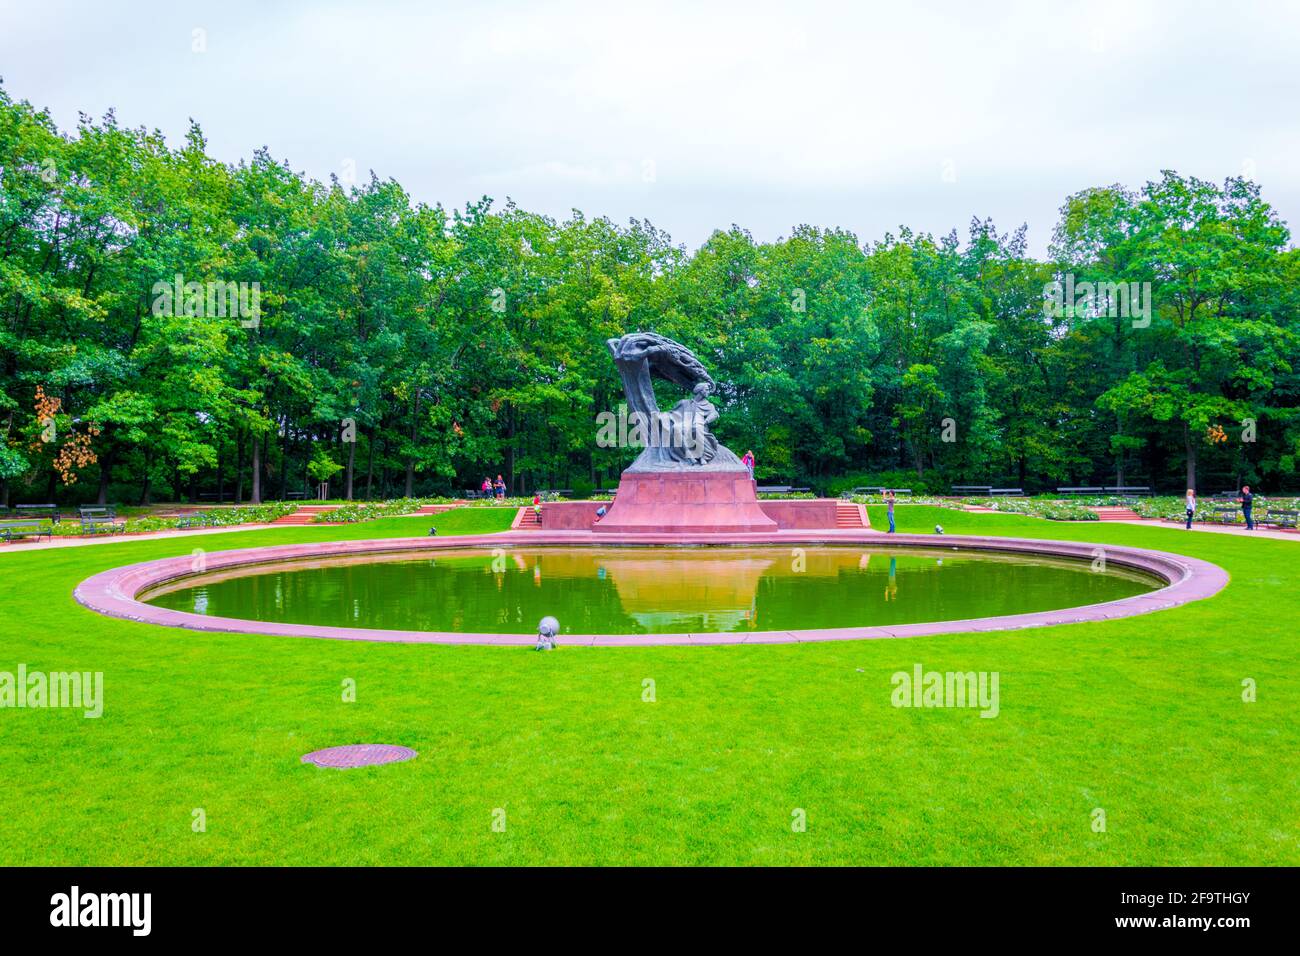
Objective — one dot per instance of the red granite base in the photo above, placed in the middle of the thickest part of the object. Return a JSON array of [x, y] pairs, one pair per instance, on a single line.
[[685, 502]]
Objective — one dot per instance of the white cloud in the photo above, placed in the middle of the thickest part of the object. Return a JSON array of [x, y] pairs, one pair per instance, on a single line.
[[767, 115]]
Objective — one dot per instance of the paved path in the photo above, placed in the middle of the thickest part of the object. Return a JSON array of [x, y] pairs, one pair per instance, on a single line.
[[22, 546], [1216, 529]]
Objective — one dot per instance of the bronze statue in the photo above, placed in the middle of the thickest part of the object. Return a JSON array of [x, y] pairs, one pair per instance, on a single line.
[[679, 439]]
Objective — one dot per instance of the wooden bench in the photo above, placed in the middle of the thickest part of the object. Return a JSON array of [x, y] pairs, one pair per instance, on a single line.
[[972, 490], [1008, 492], [295, 495], [38, 511], [1129, 490], [1281, 518], [773, 489], [96, 519], [13, 530], [1081, 490], [1225, 514], [197, 519]]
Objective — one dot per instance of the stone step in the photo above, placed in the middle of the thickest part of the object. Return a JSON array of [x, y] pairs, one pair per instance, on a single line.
[[306, 514], [1115, 514], [848, 515]]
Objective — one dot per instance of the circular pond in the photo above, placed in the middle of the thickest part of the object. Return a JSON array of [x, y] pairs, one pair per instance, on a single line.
[[494, 589], [638, 591]]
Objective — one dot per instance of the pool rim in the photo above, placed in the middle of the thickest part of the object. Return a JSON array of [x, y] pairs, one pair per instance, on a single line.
[[113, 592]]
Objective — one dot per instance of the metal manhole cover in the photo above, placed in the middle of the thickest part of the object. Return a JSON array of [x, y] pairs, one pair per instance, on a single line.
[[359, 755]]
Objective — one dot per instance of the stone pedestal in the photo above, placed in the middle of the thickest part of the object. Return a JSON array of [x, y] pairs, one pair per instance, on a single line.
[[685, 501]]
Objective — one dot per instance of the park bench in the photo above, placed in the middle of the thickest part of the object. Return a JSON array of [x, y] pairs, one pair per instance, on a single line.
[[874, 491], [1081, 490], [773, 489], [1224, 514], [1008, 492], [555, 494], [295, 495], [1281, 518], [1128, 490], [972, 490], [96, 519], [210, 496], [13, 530], [38, 511], [197, 519]]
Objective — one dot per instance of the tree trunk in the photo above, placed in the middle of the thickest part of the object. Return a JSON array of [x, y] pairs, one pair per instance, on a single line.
[[144, 485], [1190, 441], [239, 468], [284, 461], [510, 451], [410, 461], [255, 498], [370, 467], [352, 458], [105, 474]]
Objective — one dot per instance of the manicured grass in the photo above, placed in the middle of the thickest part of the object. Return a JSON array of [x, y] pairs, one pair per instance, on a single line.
[[1143, 718]]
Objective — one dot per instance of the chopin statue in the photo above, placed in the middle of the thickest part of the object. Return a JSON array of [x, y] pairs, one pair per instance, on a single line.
[[680, 439]]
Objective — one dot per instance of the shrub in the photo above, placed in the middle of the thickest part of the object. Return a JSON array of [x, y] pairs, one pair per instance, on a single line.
[[900, 478]]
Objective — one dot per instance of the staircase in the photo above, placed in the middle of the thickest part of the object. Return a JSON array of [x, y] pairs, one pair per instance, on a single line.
[[1110, 513], [306, 514], [528, 520], [848, 515]]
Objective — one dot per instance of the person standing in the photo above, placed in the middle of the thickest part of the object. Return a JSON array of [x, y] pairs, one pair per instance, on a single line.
[[1191, 507], [1247, 501], [500, 487], [889, 508], [748, 462]]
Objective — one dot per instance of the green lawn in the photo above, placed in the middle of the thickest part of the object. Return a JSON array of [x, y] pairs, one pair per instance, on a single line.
[[1143, 718]]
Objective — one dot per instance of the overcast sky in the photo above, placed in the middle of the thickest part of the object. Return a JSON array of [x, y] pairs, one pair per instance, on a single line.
[[700, 115]]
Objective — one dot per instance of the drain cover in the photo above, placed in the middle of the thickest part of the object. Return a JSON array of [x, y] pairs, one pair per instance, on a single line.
[[359, 755]]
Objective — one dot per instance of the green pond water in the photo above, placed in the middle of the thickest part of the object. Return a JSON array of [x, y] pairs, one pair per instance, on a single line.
[[648, 590]]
